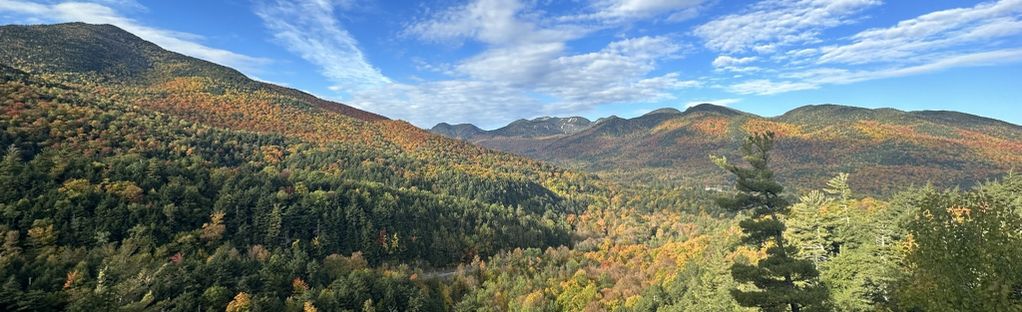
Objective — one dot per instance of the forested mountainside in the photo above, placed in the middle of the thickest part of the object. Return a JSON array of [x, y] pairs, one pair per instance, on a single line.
[[884, 149], [137, 179], [114, 147]]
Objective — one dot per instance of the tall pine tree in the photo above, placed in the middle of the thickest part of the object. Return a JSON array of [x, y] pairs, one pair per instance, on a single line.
[[779, 281]]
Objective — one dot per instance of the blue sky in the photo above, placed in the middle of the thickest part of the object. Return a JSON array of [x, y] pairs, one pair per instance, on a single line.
[[490, 62]]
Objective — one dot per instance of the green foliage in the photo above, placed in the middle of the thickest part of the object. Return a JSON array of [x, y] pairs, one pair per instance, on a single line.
[[963, 249], [779, 280], [853, 243]]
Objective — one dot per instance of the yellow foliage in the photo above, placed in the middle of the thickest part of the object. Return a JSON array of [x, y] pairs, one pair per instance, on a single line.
[[960, 214], [126, 190], [76, 187], [308, 307], [215, 228], [242, 303]]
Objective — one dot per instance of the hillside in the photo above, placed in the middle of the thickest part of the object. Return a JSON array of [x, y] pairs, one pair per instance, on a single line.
[[882, 149], [117, 151]]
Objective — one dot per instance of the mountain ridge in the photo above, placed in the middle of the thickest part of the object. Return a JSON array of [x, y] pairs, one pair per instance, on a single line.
[[128, 60], [881, 147]]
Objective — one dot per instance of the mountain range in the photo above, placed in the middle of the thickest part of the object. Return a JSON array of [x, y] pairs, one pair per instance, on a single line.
[[135, 178], [882, 149]]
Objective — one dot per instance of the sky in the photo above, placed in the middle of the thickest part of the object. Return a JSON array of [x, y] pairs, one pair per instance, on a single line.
[[490, 62]]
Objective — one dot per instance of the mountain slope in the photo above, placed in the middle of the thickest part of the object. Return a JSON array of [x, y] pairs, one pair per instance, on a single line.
[[119, 154], [883, 149], [106, 54]]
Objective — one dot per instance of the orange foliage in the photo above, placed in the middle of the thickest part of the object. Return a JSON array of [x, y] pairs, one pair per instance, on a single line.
[[1006, 152], [714, 126], [756, 125]]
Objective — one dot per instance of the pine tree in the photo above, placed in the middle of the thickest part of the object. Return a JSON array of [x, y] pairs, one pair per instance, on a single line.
[[779, 280]]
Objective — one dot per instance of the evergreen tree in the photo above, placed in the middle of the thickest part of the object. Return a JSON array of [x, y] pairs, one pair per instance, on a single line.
[[779, 280]]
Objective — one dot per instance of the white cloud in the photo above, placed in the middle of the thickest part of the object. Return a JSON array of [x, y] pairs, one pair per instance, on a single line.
[[728, 61], [771, 24], [544, 66], [735, 64], [495, 22], [523, 65], [721, 102], [921, 38], [308, 28], [617, 74], [96, 13], [525, 68]]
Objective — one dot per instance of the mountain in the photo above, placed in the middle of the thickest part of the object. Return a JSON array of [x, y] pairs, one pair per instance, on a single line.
[[707, 108], [130, 61], [539, 127], [459, 131], [124, 160], [543, 126], [101, 70], [882, 149]]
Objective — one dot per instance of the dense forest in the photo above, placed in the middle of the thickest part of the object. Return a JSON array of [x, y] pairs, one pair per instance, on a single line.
[[158, 182]]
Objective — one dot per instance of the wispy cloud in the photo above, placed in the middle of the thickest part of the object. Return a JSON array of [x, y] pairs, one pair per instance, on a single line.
[[773, 24], [844, 76], [617, 73], [926, 37], [936, 41], [310, 30], [494, 22], [101, 12]]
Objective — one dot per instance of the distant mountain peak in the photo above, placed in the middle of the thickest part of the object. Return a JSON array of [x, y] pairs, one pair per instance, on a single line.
[[538, 127], [665, 110], [712, 109], [544, 126], [458, 131]]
